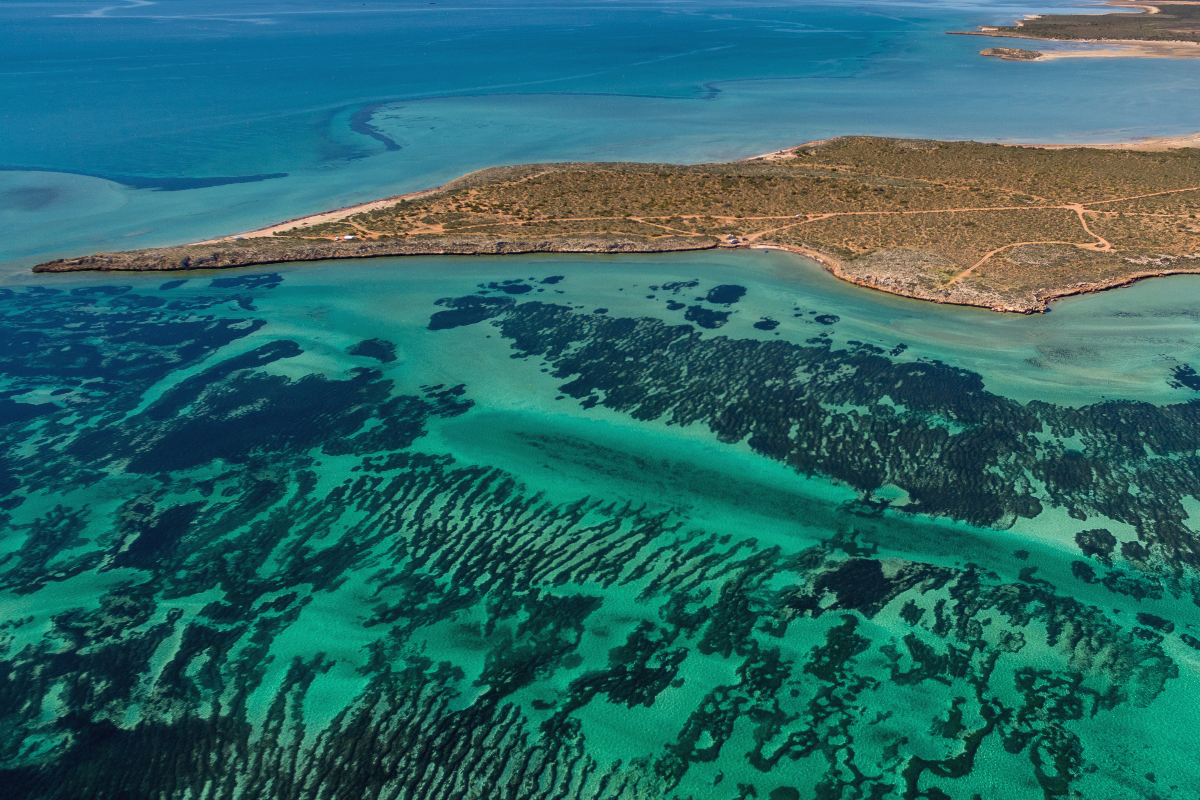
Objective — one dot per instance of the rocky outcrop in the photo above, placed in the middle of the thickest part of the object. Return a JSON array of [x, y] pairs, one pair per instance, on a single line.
[[1012, 53]]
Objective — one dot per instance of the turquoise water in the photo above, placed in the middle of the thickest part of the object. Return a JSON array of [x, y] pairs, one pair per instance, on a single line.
[[567, 527], [354, 101], [512, 527]]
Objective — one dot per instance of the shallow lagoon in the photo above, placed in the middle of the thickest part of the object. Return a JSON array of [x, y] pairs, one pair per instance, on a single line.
[[259, 516]]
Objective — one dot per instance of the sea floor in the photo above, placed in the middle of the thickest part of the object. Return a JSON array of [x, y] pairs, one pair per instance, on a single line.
[[709, 525]]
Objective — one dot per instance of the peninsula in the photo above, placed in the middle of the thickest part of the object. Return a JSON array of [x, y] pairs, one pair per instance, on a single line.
[[1169, 29], [1005, 227]]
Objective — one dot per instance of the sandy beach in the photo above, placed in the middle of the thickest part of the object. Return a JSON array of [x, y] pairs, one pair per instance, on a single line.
[[1150, 144], [324, 216], [1122, 48]]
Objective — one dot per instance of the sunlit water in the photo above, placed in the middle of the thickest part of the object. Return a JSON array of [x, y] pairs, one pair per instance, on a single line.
[[524, 499], [567, 526], [355, 101]]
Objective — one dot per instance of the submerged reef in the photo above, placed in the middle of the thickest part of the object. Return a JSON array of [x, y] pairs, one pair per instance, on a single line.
[[231, 570], [861, 417]]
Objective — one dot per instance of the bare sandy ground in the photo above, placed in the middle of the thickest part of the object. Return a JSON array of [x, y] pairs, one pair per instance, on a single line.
[[324, 216], [1150, 144], [1122, 48]]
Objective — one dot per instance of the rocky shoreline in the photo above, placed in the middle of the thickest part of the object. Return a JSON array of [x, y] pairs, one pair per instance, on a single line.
[[1013, 54], [1039, 305], [255, 252], [252, 252], [933, 221]]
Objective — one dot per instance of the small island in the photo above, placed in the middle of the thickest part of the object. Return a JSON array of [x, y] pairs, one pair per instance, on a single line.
[[1012, 53], [1004, 227]]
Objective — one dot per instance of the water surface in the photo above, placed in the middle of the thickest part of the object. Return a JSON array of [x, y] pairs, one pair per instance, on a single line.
[[516, 521], [357, 101]]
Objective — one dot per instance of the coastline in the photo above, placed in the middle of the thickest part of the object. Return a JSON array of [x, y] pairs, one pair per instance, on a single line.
[[1148, 144], [1107, 48], [1151, 144], [333, 215], [905, 267], [839, 269]]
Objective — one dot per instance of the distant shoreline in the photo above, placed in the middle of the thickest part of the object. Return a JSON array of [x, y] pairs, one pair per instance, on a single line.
[[1115, 48], [1134, 35], [1147, 144]]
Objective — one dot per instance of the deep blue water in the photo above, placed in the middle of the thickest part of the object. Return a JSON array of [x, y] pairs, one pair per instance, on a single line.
[[143, 93]]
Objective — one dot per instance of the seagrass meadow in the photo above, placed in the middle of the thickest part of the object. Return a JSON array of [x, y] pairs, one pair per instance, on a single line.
[[687, 526]]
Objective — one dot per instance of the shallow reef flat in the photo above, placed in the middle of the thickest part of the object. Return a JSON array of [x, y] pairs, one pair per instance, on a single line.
[[1008, 228], [516, 529]]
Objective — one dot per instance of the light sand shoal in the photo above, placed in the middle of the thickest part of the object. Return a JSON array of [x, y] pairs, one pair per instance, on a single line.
[[1124, 48]]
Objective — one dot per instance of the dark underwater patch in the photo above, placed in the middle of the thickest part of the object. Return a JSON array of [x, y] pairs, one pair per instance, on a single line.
[[467, 311], [153, 534], [157, 184], [725, 294], [1097, 543], [1184, 377], [29, 198], [100, 291], [97, 337], [139, 301], [360, 123], [827, 319], [14, 413], [706, 317], [766, 324], [249, 414], [1156, 622], [267, 280], [378, 349]]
